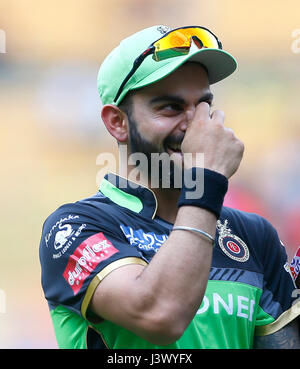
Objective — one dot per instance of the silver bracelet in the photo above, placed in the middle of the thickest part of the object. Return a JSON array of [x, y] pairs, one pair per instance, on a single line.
[[183, 228]]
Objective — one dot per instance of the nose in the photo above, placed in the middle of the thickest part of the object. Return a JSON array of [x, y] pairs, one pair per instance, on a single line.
[[189, 115], [190, 112]]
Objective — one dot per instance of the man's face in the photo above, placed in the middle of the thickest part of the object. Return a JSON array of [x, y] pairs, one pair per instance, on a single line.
[[162, 112]]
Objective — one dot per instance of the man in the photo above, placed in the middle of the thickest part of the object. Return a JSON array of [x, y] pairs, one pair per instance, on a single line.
[[144, 266]]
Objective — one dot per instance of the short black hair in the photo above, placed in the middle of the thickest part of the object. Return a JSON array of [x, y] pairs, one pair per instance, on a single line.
[[126, 105]]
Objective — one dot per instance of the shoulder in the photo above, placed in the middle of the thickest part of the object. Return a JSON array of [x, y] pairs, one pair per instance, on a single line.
[[247, 222], [69, 218], [89, 208], [256, 231], [78, 241]]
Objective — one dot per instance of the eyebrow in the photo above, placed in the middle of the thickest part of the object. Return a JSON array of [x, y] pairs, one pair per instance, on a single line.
[[207, 97]]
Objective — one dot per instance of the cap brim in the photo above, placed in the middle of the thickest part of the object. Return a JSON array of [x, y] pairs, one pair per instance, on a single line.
[[219, 65]]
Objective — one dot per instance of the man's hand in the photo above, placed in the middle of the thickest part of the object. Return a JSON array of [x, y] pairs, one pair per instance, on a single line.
[[206, 134]]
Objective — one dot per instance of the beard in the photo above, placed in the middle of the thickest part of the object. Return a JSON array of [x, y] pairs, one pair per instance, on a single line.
[[162, 170]]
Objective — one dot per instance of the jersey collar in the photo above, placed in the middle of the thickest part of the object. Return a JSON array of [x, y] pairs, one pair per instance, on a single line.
[[129, 194]]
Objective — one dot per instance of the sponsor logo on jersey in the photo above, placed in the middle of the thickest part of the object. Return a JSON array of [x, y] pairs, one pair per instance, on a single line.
[[235, 305], [86, 258], [143, 241], [62, 236], [58, 225], [65, 238], [295, 265], [230, 244]]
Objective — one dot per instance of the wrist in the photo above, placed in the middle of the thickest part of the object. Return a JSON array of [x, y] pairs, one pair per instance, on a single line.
[[203, 188]]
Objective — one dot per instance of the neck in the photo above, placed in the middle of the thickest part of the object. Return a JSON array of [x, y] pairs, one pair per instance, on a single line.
[[166, 197], [167, 203]]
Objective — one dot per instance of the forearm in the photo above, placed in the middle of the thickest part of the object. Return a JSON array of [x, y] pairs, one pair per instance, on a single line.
[[175, 279]]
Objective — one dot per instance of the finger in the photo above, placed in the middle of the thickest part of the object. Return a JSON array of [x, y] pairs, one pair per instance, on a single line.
[[218, 115], [202, 112]]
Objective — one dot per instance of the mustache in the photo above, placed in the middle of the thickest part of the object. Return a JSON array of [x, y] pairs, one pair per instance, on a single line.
[[173, 140]]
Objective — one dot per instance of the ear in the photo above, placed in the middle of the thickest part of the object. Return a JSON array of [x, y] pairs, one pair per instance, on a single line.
[[116, 122]]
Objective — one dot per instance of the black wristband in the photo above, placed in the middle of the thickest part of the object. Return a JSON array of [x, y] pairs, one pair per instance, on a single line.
[[203, 188]]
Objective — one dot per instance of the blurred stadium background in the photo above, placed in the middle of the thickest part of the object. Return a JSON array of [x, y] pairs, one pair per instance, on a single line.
[[51, 132]]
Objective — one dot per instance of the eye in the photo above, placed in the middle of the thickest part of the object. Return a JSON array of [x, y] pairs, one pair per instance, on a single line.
[[171, 107], [209, 102]]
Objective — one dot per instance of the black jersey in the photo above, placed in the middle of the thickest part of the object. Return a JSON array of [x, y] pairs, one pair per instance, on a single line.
[[249, 292]]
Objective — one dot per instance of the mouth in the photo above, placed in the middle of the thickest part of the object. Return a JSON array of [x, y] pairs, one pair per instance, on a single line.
[[174, 149]]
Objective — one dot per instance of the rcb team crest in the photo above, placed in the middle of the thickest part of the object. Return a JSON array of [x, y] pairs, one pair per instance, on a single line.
[[232, 245]]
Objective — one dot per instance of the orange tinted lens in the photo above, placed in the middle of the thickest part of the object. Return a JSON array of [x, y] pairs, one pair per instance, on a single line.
[[182, 38], [208, 40], [172, 40]]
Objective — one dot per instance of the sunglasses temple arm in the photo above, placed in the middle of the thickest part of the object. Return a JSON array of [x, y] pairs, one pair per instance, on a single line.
[[136, 64], [129, 75]]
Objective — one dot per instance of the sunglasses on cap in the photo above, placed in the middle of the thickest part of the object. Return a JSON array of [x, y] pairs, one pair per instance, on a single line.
[[174, 43]]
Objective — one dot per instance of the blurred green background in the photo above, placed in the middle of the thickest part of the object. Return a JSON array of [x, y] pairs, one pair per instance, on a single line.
[[51, 132]]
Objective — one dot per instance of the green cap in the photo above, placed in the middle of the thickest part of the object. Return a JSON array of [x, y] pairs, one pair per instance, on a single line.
[[119, 62]]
